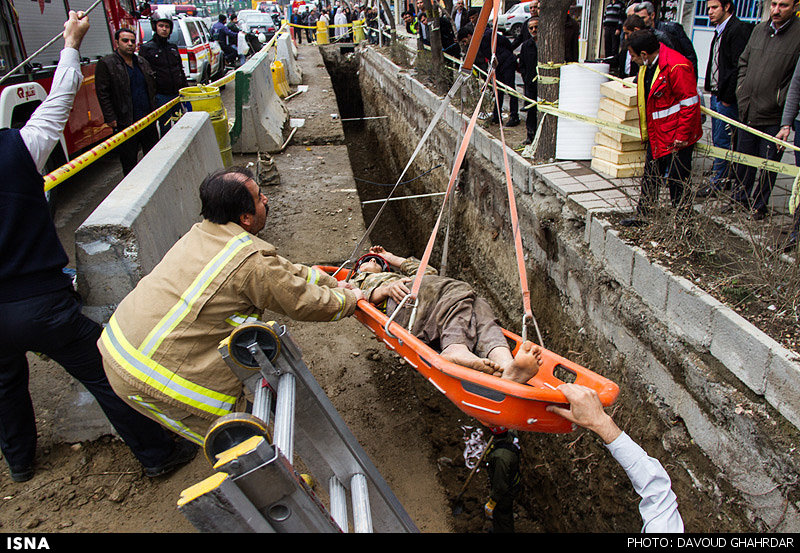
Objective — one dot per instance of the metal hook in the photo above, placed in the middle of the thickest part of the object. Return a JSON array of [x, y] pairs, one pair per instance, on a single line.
[[391, 319]]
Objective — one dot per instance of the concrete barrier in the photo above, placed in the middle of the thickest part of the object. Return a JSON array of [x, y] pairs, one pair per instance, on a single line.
[[287, 55], [153, 206], [260, 113]]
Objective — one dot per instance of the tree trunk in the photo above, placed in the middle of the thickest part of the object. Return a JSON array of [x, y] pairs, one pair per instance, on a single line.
[[552, 18], [386, 12], [437, 57]]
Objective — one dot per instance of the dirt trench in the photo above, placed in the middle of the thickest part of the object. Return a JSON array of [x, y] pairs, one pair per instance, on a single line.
[[570, 482]]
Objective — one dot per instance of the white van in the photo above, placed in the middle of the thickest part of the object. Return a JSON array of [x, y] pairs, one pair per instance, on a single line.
[[202, 57]]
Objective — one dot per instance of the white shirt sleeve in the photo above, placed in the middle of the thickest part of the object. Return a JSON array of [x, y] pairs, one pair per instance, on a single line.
[[659, 505], [43, 130]]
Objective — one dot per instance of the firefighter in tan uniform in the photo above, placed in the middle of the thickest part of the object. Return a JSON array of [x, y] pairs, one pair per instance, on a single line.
[[160, 346]]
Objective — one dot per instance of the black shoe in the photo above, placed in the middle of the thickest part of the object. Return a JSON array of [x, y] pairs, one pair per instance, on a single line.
[[184, 452], [527, 141], [633, 222], [757, 215], [513, 122], [21, 474]]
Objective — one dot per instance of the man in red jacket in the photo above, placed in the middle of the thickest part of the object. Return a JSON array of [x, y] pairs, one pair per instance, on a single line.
[[669, 120]]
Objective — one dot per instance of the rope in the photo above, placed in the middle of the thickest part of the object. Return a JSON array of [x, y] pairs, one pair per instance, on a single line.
[[404, 182]]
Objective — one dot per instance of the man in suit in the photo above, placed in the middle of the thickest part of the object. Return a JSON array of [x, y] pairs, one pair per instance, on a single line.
[[730, 38]]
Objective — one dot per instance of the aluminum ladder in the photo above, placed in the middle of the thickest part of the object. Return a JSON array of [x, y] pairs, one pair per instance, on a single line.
[[257, 487]]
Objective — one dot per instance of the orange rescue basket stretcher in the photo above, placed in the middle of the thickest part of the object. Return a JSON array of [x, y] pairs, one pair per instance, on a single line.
[[490, 399]]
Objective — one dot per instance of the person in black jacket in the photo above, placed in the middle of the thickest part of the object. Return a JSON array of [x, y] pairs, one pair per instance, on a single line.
[[165, 59], [528, 61], [505, 72], [677, 35], [41, 310], [730, 38], [125, 88], [613, 18], [572, 31], [633, 23]]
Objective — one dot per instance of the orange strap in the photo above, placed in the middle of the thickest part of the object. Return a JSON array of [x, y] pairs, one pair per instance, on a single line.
[[462, 151], [526, 296], [512, 206]]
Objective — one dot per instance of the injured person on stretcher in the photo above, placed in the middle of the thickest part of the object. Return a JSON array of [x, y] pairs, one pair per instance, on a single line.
[[449, 314]]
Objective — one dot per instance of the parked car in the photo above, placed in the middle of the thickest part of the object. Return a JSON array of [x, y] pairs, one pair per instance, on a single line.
[[202, 57], [511, 22], [258, 23]]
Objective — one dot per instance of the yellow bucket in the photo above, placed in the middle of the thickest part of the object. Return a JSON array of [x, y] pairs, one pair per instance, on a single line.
[[279, 80], [208, 99], [322, 33]]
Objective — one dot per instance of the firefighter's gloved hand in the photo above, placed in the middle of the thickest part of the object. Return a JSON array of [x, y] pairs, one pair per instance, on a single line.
[[488, 508]]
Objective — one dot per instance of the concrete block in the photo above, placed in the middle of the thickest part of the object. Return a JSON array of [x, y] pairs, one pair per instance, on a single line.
[[650, 281], [690, 311], [597, 237], [153, 206], [782, 383], [260, 113], [741, 347], [619, 257], [287, 56]]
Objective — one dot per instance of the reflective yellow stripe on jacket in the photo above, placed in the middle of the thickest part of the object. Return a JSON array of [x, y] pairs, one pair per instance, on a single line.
[[160, 378], [139, 363], [175, 315]]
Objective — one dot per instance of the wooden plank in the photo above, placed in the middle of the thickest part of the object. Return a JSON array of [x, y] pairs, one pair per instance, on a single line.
[[603, 115], [617, 157], [617, 171], [619, 137], [604, 140], [621, 112], [619, 93]]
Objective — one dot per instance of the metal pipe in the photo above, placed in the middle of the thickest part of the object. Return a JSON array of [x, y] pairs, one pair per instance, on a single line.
[[403, 198], [46, 46]]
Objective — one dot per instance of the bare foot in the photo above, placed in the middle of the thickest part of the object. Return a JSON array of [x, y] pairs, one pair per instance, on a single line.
[[525, 364], [486, 366]]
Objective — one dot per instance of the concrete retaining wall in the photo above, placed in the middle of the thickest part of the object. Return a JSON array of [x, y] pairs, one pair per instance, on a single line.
[[260, 116], [732, 388], [153, 206]]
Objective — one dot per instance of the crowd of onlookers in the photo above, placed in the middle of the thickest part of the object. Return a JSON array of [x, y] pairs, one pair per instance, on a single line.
[[752, 77]]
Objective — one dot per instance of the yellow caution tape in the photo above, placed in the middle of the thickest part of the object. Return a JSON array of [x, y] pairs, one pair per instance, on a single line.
[[84, 160], [81, 162]]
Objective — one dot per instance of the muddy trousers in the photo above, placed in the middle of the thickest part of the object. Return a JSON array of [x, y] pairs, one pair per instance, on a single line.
[[451, 313], [52, 324], [503, 471]]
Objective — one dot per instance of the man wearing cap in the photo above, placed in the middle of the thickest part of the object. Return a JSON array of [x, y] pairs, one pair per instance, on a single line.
[[160, 347], [449, 315], [165, 59]]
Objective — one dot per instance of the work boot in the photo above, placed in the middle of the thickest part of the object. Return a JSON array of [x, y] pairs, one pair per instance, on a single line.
[[21, 473], [513, 122], [184, 452]]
